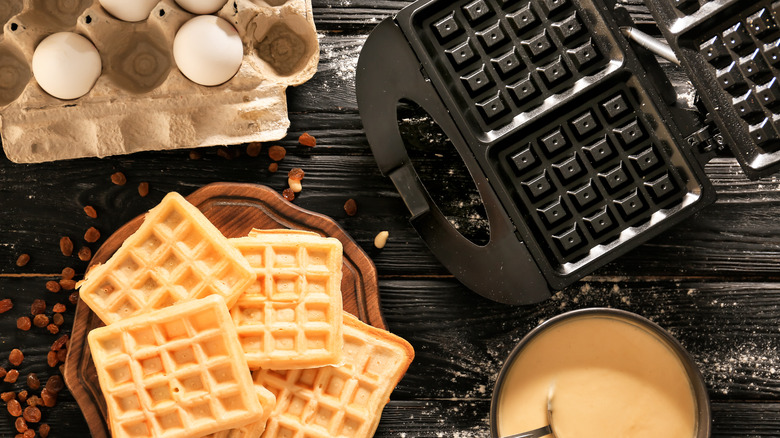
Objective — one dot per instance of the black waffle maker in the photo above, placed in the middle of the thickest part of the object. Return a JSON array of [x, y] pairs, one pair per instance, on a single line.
[[731, 52], [571, 134]]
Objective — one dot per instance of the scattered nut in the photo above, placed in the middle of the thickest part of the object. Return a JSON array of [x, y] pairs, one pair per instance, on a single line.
[[85, 254], [288, 194], [277, 153], [23, 260], [350, 207], [253, 149], [381, 239], [66, 246], [92, 235], [6, 305], [53, 286], [143, 189], [90, 211], [307, 140], [119, 178], [16, 357], [23, 323]]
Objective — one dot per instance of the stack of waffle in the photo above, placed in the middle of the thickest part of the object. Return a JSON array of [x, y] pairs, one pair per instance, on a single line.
[[214, 337]]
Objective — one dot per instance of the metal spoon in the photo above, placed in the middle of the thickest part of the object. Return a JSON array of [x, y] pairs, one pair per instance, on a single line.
[[542, 431]]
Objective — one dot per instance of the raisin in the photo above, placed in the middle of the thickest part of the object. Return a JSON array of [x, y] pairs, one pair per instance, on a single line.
[[277, 153], [195, 155], [22, 396], [68, 273], [57, 319], [60, 343], [58, 308], [73, 298], [90, 211], [66, 246], [51, 359], [143, 189], [224, 153], [307, 140], [44, 430], [14, 408], [49, 398], [53, 328], [16, 357], [20, 424], [92, 235], [288, 194], [53, 286], [38, 306], [23, 260], [29, 433], [61, 355], [33, 382], [119, 178], [68, 284], [253, 149], [55, 384], [23, 323], [41, 320], [34, 400], [295, 174], [350, 207], [6, 305], [85, 254], [11, 376], [32, 414], [7, 396], [273, 167]]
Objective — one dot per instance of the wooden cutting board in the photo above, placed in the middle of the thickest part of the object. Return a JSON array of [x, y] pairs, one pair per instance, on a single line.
[[234, 209]]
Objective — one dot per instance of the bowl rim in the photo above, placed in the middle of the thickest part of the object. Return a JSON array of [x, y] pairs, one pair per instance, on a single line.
[[701, 396]]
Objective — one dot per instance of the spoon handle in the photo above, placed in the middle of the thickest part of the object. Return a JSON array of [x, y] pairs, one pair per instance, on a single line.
[[536, 433]]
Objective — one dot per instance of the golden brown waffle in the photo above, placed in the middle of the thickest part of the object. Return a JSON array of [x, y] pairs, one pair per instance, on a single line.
[[176, 372], [291, 316], [175, 255], [345, 400], [252, 430]]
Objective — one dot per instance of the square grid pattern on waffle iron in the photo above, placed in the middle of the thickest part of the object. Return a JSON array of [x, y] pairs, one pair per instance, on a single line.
[[291, 316], [176, 254], [174, 372], [505, 57], [345, 400]]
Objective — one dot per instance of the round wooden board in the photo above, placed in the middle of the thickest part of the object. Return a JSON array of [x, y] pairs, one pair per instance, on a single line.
[[234, 209]]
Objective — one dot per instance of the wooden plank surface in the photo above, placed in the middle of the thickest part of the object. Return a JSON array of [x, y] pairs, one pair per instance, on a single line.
[[713, 280]]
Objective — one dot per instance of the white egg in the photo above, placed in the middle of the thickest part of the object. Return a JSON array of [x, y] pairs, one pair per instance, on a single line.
[[201, 6], [208, 50], [66, 65], [136, 10]]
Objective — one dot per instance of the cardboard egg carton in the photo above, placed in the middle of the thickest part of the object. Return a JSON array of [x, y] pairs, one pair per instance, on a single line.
[[142, 101]]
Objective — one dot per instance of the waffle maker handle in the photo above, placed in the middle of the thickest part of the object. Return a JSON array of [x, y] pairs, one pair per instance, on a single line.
[[503, 269]]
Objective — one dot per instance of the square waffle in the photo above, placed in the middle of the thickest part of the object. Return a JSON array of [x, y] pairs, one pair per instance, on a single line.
[[255, 429], [175, 255], [345, 400], [175, 372], [291, 316]]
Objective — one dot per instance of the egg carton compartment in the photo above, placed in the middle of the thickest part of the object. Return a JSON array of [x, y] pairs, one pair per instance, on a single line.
[[142, 101]]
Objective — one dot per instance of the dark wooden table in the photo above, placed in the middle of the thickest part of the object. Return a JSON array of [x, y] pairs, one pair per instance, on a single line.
[[713, 280]]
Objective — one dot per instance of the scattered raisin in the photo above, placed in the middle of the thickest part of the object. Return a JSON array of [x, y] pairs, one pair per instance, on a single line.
[[53, 328], [85, 254], [6, 305], [66, 246], [253, 149], [68, 273], [68, 284], [32, 414], [195, 155], [29, 433], [11, 376], [23, 260], [350, 207], [22, 396], [273, 167], [62, 355], [58, 308], [73, 298], [224, 153], [119, 178], [33, 382], [34, 400], [295, 174], [277, 153], [49, 398], [143, 189], [20, 424], [57, 319], [44, 430], [23, 323], [41, 320], [7, 396], [51, 359], [307, 140], [60, 343], [14, 408], [53, 286], [288, 194], [38, 306], [55, 384], [90, 211], [16, 357], [92, 235], [3, 372]]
